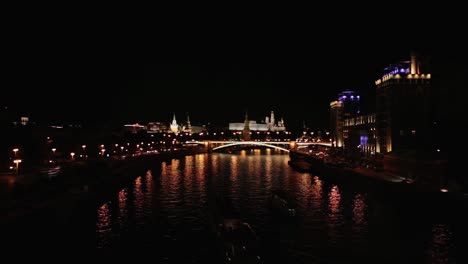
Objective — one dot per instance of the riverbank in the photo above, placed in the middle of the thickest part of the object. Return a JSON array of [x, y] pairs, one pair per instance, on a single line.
[[76, 182], [389, 184]]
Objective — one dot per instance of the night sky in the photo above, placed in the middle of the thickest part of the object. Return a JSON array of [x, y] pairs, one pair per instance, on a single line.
[[295, 77]]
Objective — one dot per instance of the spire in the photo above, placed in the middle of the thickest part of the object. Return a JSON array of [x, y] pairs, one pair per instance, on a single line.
[[174, 120], [174, 126], [189, 126], [272, 118], [246, 131], [246, 121]]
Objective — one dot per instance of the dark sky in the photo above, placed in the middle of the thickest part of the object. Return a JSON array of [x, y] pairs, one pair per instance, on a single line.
[[215, 81]]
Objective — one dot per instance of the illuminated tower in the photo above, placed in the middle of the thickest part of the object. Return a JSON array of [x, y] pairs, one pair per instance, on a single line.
[[246, 130], [189, 126], [404, 106], [174, 125], [336, 123], [350, 103], [272, 120]]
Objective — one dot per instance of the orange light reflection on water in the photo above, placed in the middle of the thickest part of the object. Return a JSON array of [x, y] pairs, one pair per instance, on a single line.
[[103, 225]]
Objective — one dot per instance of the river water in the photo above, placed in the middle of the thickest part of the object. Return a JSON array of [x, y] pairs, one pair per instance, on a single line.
[[169, 212]]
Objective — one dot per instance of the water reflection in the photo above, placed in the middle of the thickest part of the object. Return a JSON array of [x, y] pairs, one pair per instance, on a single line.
[[103, 226], [174, 208], [123, 210], [441, 245], [316, 193], [148, 190], [335, 217]]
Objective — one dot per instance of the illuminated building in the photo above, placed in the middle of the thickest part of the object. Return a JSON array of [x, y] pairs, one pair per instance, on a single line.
[[24, 120], [403, 106], [269, 125], [188, 127], [336, 123], [347, 106], [359, 135], [134, 128], [157, 127], [350, 100], [253, 125], [174, 127]]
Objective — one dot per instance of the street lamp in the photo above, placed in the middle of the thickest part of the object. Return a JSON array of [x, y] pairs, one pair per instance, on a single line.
[[15, 150], [53, 155], [84, 151], [17, 162], [72, 154]]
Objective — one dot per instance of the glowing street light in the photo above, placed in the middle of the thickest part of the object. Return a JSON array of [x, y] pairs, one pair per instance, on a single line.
[[72, 154], [17, 162], [15, 150]]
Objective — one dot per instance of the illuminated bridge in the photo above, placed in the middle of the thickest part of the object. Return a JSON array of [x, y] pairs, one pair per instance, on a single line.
[[281, 145]]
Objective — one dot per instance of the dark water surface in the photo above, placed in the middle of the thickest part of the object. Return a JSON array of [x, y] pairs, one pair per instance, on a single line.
[[169, 213]]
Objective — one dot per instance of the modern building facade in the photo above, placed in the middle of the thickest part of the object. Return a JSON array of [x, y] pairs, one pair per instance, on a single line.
[[404, 106], [347, 106], [359, 134]]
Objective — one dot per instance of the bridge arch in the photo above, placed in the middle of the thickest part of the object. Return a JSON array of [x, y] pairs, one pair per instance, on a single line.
[[244, 143]]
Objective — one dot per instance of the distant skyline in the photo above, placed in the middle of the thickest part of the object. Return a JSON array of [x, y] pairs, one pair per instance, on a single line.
[[298, 84]]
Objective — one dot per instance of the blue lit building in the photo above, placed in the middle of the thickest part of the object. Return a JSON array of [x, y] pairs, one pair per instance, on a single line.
[[404, 107], [347, 106], [351, 103]]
